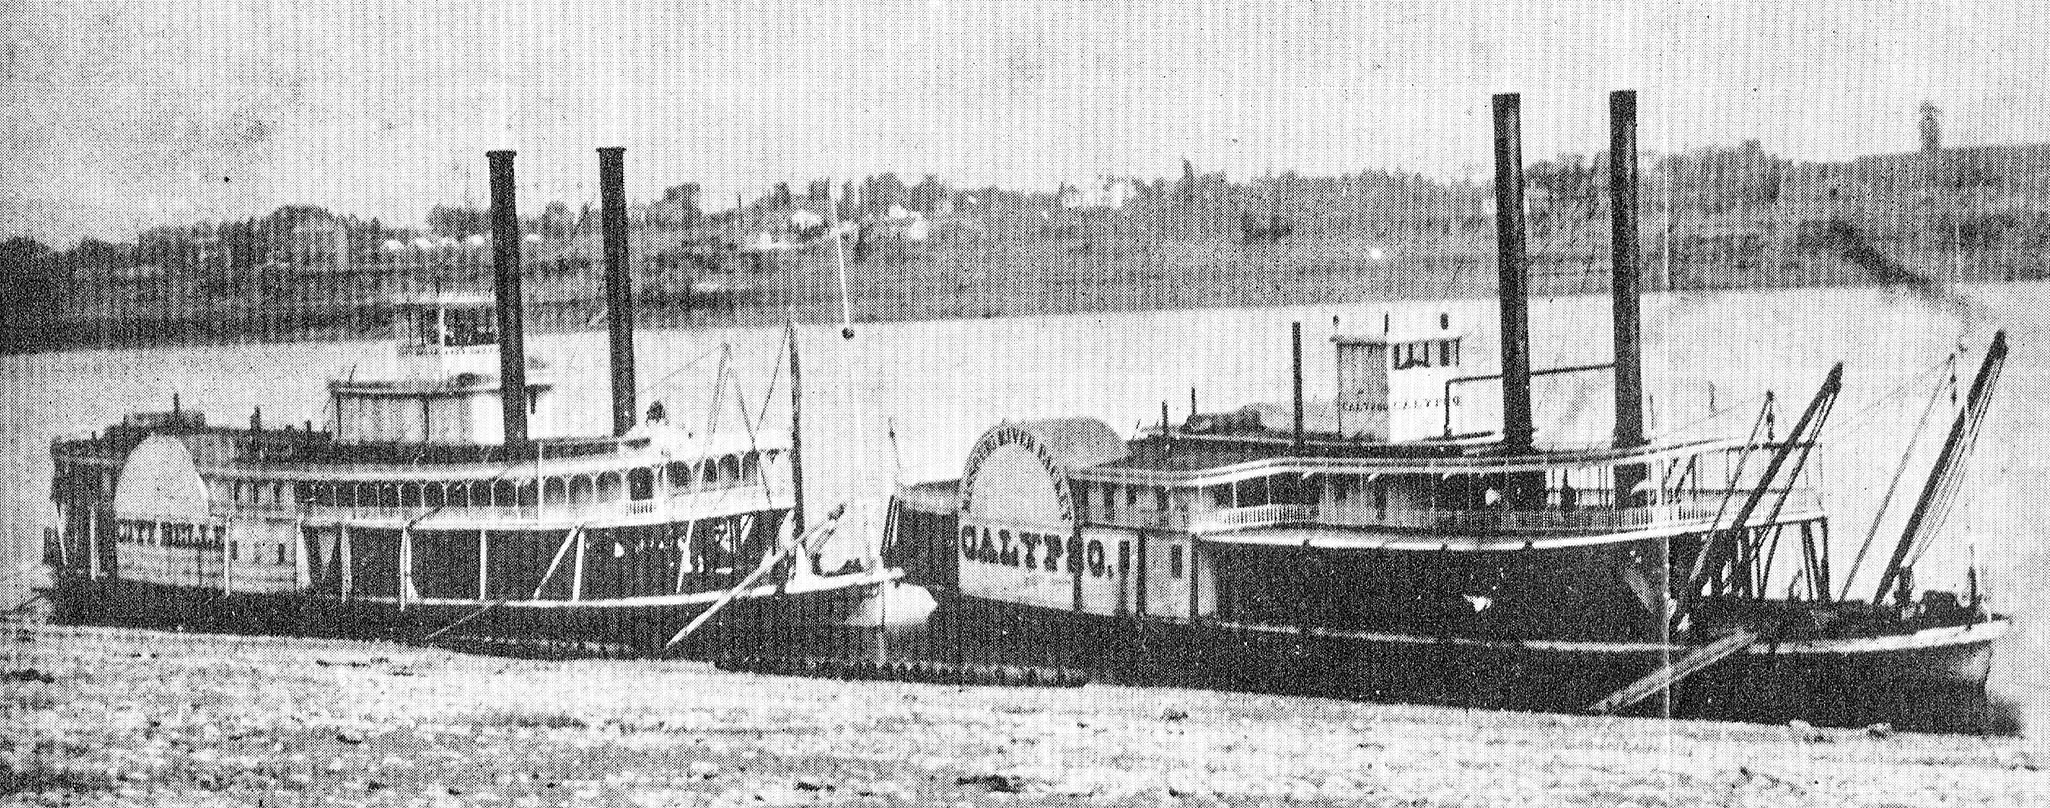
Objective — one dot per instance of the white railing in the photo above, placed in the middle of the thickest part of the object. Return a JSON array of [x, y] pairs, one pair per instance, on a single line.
[[683, 506], [1699, 513]]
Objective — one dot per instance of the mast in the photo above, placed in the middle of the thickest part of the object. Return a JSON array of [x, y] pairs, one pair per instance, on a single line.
[[1948, 472], [619, 300], [505, 258], [1623, 258], [796, 434]]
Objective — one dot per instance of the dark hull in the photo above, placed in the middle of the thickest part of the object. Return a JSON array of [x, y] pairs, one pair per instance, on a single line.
[[809, 622], [1937, 687]]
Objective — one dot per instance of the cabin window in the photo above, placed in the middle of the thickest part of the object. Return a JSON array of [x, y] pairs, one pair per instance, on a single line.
[[708, 474], [281, 553], [1081, 493], [1220, 495], [680, 476], [277, 494], [581, 491], [750, 467], [609, 487], [1445, 353], [1380, 500], [504, 493], [480, 494], [234, 551], [235, 491], [431, 495], [1110, 501], [458, 495], [729, 469], [640, 484], [1174, 561], [409, 495], [465, 327], [528, 494], [1160, 500], [1132, 497]]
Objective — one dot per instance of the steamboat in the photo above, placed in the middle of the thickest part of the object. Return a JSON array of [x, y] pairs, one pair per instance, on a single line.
[[1363, 548], [426, 510]]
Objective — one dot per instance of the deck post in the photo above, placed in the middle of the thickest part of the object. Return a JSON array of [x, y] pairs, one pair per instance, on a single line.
[[348, 564], [576, 580], [483, 564], [302, 566], [1077, 554], [405, 566], [227, 563], [92, 543], [1139, 601]]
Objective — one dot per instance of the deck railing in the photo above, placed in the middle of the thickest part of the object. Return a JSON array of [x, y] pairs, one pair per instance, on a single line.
[[1699, 512], [682, 506]]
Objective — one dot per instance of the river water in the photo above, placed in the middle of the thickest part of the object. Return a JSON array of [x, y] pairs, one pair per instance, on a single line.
[[905, 401]]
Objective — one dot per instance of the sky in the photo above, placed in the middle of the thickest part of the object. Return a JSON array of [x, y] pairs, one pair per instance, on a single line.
[[127, 116]]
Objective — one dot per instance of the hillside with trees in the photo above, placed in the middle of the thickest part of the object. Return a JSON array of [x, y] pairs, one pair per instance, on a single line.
[[1715, 217]]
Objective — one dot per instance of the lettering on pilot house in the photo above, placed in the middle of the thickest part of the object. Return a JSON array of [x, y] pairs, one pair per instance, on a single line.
[[1013, 436], [1027, 549]]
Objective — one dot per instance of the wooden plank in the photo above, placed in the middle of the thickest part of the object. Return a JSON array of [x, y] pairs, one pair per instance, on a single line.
[[1672, 673]]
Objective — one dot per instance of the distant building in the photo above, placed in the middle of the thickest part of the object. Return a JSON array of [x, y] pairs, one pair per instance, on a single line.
[[1932, 128]]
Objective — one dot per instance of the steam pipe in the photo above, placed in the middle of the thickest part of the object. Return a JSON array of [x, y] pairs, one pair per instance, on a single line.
[[619, 299], [1295, 334], [505, 259]]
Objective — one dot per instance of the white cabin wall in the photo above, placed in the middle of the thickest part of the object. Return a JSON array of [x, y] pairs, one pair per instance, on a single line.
[[256, 567], [1167, 595], [1203, 575], [1106, 593]]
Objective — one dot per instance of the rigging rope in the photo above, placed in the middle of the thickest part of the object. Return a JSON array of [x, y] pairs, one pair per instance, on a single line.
[[1892, 487]]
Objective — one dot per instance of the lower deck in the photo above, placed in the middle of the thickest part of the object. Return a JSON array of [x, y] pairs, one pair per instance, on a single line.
[[345, 561]]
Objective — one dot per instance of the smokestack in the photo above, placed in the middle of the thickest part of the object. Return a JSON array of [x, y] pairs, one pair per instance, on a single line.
[[1623, 255], [505, 258], [1295, 335], [619, 297], [1513, 273]]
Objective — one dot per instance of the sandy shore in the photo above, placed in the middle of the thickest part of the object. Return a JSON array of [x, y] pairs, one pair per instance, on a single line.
[[104, 716]]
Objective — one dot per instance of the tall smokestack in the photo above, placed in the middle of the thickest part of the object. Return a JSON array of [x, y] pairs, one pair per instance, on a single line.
[[619, 296], [1623, 261], [1513, 272], [505, 258]]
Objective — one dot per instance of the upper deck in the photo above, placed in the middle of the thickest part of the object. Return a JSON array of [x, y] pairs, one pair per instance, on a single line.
[[652, 476], [1254, 489]]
